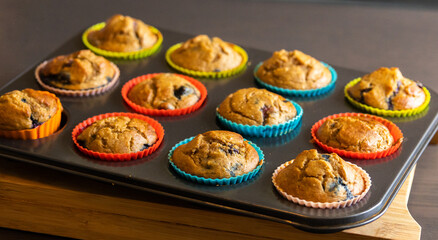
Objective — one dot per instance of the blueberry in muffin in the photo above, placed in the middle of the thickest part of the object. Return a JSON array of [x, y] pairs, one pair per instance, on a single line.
[[216, 154], [118, 135], [26, 109], [207, 55], [320, 178], [164, 91], [123, 34], [252, 106], [80, 70], [294, 70], [386, 88]]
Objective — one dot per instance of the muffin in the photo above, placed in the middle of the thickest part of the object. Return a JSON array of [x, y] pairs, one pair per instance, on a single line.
[[207, 55], [123, 34], [81, 70], [216, 155], [321, 178], [252, 106], [24, 114], [356, 134], [164, 91], [294, 70], [118, 134], [387, 89]]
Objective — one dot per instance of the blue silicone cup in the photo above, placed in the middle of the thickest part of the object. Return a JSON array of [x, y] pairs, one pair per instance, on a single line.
[[299, 93], [217, 181], [264, 131]]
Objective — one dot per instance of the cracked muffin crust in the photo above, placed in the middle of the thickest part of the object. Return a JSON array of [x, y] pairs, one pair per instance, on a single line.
[[118, 135], [320, 178], [254, 106], [164, 91], [123, 34], [386, 88], [80, 70], [208, 55], [294, 70], [26, 109], [356, 134], [216, 154]]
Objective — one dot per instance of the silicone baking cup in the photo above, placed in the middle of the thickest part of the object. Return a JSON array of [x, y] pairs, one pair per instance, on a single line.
[[123, 55], [221, 74], [393, 129], [330, 205], [41, 131], [77, 93], [264, 131], [217, 181], [161, 112], [383, 112], [118, 156], [299, 93]]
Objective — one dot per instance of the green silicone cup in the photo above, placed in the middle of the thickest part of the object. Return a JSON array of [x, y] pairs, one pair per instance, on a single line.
[[122, 55], [221, 74], [383, 112]]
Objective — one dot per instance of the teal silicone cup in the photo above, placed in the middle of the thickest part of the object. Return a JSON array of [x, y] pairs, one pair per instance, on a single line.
[[217, 181], [299, 93], [264, 131]]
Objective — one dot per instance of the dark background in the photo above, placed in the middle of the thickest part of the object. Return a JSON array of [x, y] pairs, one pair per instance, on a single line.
[[361, 35]]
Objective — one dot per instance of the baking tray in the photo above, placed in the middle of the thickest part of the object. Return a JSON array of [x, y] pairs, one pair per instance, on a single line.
[[256, 197]]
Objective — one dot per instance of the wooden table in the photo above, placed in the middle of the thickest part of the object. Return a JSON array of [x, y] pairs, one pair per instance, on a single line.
[[356, 36]]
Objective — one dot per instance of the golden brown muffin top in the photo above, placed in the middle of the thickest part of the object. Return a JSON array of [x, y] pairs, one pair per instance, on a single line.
[[320, 178], [123, 34], [254, 106], [356, 134], [208, 55], [118, 135], [216, 154], [78, 71], [294, 70], [26, 109], [386, 88], [164, 91]]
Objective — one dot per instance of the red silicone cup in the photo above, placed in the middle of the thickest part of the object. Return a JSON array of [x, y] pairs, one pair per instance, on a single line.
[[160, 112], [119, 156], [393, 129]]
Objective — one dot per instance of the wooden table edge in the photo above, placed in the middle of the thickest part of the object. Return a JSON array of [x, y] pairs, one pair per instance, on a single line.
[[61, 210]]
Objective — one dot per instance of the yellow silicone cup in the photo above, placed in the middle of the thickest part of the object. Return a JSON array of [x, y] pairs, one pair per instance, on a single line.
[[221, 74], [383, 112], [122, 55]]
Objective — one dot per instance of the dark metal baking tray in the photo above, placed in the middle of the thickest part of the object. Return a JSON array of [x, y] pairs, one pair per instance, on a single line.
[[256, 197]]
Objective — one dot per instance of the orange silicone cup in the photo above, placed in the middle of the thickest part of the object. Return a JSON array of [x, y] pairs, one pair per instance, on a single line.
[[118, 156], [329, 205], [393, 129], [161, 112], [43, 130]]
